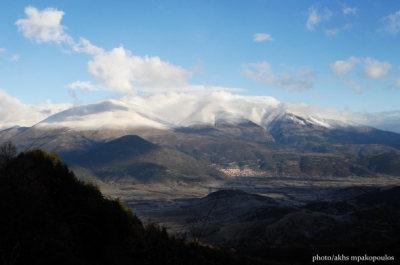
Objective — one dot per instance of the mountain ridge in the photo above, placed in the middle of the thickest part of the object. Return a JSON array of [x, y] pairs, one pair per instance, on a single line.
[[185, 112], [246, 137]]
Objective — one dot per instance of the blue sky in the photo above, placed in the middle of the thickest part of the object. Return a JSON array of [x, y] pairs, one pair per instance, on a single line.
[[334, 54]]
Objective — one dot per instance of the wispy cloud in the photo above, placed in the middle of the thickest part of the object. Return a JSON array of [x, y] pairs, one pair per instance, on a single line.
[[332, 32], [349, 10], [368, 68], [13, 57], [372, 68], [43, 26], [296, 80], [397, 83], [260, 37], [392, 23], [343, 67], [82, 86], [356, 87], [87, 85], [85, 46], [315, 17]]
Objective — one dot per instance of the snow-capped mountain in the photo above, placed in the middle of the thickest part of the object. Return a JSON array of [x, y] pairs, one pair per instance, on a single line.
[[254, 134], [168, 111]]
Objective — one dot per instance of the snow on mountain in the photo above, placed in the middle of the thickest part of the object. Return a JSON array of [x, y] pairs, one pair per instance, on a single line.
[[304, 120], [106, 114], [170, 110]]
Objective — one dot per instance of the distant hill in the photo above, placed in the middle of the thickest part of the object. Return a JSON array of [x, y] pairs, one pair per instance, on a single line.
[[364, 222]]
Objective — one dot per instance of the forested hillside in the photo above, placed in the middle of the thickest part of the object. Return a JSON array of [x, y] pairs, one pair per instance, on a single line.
[[48, 216]]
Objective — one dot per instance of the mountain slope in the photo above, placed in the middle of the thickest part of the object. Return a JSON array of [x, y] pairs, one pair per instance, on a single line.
[[294, 130], [133, 159]]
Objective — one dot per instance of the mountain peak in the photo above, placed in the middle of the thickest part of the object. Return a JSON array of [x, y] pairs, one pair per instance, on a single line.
[[128, 145], [105, 114], [181, 110]]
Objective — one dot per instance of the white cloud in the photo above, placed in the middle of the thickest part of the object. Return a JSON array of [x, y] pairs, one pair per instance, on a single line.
[[261, 73], [314, 17], [177, 106], [349, 10], [13, 112], [79, 85], [43, 26], [298, 79], [332, 32], [85, 46], [343, 67], [118, 69], [376, 70], [88, 86], [121, 71], [372, 68], [392, 23], [348, 26], [13, 57], [195, 89], [260, 37], [355, 86]]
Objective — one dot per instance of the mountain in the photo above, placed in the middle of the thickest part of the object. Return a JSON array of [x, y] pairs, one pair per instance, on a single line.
[[299, 131], [106, 114], [235, 135], [131, 159]]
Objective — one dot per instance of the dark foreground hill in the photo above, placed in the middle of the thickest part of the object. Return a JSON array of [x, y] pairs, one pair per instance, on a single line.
[[48, 216]]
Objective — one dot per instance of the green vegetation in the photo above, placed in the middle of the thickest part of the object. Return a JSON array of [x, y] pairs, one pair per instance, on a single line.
[[48, 216]]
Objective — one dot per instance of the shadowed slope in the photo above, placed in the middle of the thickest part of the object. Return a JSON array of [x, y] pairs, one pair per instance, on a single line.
[[132, 159]]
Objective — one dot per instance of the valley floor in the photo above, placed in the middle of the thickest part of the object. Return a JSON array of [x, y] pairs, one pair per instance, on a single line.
[[185, 209], [295, 191]]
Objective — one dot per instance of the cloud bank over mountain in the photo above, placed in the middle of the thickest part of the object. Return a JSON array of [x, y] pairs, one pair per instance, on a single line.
[[13, 112], [179, 109]]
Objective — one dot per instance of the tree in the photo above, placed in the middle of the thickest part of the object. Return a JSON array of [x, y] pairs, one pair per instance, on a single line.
[[7, 151]]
